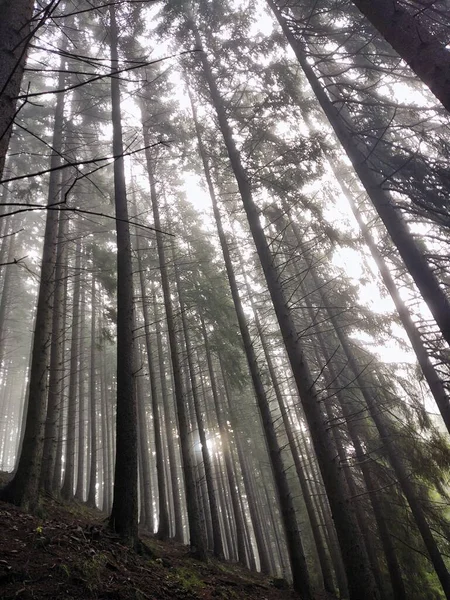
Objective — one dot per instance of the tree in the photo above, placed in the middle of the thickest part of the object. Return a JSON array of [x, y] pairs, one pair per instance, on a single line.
[[124, 512], [414, 40]]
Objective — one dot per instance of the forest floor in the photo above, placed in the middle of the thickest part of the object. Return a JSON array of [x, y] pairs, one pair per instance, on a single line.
[[66, 553]]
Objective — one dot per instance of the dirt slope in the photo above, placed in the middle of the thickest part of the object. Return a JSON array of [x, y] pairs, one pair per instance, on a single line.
[[66, 553]]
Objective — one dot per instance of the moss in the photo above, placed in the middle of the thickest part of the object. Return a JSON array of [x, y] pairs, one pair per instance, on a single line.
[[89, 571], [188, 580]]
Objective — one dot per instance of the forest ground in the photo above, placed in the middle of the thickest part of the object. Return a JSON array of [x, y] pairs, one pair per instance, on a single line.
[[66, 552]]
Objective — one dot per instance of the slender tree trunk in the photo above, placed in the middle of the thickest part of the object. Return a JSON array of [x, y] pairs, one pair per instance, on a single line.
[[55, 398], [197, 541], [361, 583], [416, 263], [81, 462], [61, 394], [92, 489], [215, 521], [163, 524], [5, 298], [106, 455], [144, 452], [67, 489], [419, 47], [124, 513], [170, 433], [15, 27]]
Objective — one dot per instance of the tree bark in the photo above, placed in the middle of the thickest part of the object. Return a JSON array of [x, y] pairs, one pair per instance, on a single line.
[[81, 457], [55, 388], [124, 514], [15, 27]]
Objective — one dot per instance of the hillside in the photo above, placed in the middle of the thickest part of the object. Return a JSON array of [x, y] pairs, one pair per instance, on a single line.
[[67, 553]]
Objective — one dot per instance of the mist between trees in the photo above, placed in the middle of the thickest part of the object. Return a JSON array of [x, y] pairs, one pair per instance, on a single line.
[[224, 317]]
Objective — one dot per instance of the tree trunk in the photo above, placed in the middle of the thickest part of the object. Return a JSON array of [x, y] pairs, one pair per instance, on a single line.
[[169, 429], [5, 299], [58, 467], [15, 26], [55, 387], [147, 518], [124, 514], [419, 47], [197, 541], [81, 462], [163, 524], [92, 488], [23, 488], [67, 489]]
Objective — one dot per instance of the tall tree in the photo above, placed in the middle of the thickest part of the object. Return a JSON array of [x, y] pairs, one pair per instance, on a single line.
[[124, 513], [23, 488]]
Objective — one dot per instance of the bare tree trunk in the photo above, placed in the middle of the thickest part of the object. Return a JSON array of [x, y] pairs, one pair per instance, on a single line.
[[81, 462], [55, 397], [92, 488], [61, 394], [124, 514], [6, 296], [147, 518]]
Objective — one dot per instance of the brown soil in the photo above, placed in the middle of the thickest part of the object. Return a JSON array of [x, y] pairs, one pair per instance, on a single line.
[[66, 553]]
